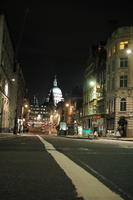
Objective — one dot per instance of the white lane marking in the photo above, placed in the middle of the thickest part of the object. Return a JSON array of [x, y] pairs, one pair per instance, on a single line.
[[87, 186]]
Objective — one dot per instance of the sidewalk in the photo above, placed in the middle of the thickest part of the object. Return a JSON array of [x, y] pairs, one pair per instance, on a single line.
[[5, 135], [107, 138]]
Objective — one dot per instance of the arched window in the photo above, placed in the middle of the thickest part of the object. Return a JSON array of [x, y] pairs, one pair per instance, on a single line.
[[123, 104]]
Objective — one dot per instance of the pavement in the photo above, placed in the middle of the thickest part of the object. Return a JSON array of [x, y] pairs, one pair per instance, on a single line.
[[6, 135], [107, 138]]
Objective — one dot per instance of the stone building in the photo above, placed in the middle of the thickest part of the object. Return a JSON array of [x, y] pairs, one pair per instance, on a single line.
[[119, 82], [20, 96], [7, 79], [39, 113], [12, 83], [94, 114], [73, 105]]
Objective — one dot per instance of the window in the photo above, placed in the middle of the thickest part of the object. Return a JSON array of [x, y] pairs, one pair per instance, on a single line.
[[123, 45], [6, 88], [113, 83], [108, 69], [123, 104], [109, 53], [113, 49], [124, 62], [113, 65], [108, 85], [123, 81]]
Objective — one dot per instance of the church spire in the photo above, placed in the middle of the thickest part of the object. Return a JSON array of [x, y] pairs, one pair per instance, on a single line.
[[55, 81]]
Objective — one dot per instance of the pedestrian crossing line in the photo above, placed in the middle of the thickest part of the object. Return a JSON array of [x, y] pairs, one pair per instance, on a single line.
[[87, 186]]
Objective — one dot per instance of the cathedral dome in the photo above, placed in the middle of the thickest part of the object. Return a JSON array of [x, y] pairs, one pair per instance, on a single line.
[[56, 90], [56, 93]]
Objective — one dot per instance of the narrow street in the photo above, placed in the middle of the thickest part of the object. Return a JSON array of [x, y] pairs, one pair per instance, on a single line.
[[42, 167]]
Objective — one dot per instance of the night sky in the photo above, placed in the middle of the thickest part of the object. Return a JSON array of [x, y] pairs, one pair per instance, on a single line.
[[54, 38]]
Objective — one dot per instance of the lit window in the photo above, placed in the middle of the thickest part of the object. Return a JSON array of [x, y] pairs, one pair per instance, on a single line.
[[123, 81], [123, 62], [123, 104], [6, 89], [123, 45], [109, 53], [113, 50]]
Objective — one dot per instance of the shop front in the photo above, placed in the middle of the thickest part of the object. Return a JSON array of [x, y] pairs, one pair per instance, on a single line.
[[95, 123]]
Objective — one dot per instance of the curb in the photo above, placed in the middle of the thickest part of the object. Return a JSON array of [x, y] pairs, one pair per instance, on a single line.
[[117, 139], [7, 135]]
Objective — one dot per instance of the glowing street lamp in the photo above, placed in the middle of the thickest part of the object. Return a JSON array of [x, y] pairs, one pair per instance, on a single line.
[[13, 79], [128, 51], [26, 105], [92, 83]]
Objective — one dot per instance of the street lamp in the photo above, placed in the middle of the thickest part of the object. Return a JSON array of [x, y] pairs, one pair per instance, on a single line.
[[67, 104], [128, 51], [92, 83], [26, 106]]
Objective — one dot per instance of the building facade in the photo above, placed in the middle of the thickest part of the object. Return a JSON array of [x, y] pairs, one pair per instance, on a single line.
[[119, 82], [12, 83], [7, 79], [94, 114], [39, 114]]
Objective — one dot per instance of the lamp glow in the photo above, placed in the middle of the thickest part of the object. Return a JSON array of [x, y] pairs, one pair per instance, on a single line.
[[26, 106], [92, 83], [128, 51]]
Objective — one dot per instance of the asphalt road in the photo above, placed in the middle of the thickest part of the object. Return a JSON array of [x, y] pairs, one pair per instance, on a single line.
[[110, 161], [28, 171]]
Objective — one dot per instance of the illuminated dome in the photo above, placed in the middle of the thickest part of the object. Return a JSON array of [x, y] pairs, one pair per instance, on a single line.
[[56, 93], [56, 90]]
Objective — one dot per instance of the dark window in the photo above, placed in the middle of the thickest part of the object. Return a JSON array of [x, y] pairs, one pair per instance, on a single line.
[[108, 85], [123, 104], [123, 62], [126, 46], [113, 65], [123, 81], [113, 83]]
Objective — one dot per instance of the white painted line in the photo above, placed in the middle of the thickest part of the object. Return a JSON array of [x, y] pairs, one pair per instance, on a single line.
[[87, 186]]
